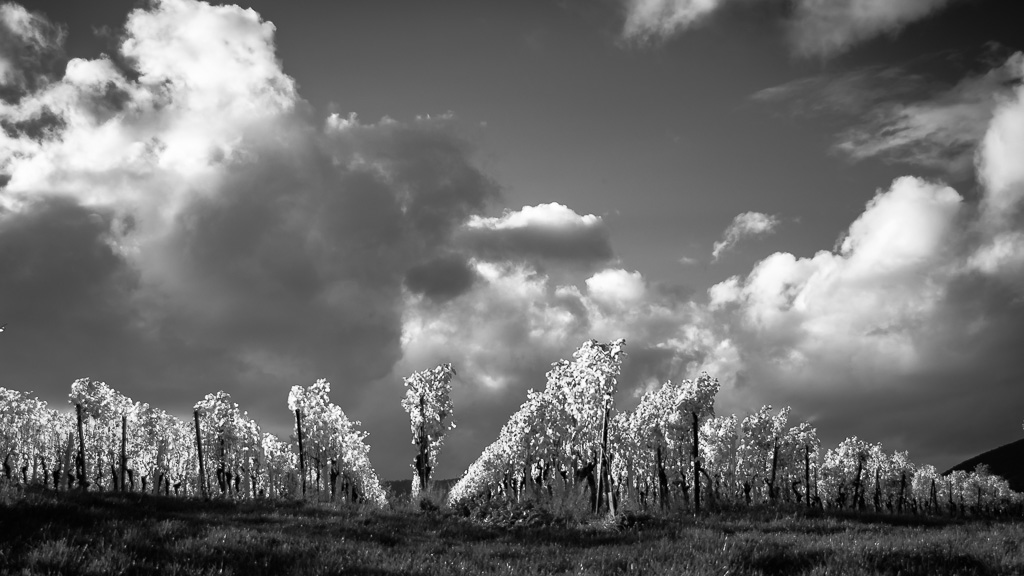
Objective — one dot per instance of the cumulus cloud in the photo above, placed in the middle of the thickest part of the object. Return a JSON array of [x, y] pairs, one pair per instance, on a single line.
[[546, 232], [504, 333], [617, 287], [922, 293], [232, 242], [999, 165], [860, 301], [816, 27], [745, 225], [919, 297], [28, 45], [185, 226]]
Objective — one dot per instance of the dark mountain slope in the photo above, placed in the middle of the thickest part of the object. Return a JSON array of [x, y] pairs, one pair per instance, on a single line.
[[1006, 461]]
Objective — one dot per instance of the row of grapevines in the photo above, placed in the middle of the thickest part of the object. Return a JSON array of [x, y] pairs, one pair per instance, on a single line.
[[672, 450], [111, 442]]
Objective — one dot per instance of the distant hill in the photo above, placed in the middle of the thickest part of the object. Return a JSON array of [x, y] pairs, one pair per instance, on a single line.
[[402, 488], [1006, 461]]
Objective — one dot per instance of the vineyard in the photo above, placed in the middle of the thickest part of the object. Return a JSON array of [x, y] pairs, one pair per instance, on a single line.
[[566, 448], [112, 443]]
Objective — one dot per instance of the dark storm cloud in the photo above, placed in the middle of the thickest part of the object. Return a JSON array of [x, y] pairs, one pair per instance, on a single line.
[[212, 237], [548, 232], [428, 163], [59, 270], [441, 278], [67, 298]]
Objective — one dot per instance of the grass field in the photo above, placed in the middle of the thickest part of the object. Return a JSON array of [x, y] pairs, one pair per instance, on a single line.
[[130, 534]]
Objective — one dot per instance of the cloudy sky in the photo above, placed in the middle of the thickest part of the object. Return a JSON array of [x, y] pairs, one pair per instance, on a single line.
[[817, 201]]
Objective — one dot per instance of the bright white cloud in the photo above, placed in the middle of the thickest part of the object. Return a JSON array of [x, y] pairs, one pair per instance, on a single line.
[[886, 276], [552, 215], [515, 321], [1000, 164], [617, 287], [209, 78], [235, 238], [1002, 255], [544, 232], [654, 20], [745, 225]]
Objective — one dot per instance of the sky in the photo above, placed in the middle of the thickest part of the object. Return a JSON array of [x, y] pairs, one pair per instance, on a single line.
[[816, 201]]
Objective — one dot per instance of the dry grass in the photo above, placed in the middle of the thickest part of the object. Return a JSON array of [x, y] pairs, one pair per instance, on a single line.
[[43, 533]]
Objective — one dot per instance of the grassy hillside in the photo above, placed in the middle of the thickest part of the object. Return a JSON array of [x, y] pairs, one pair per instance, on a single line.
[[1006, 461], [43, 533]]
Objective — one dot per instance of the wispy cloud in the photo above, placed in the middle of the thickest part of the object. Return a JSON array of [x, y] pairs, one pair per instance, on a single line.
[[688, 261], [941, 132], [853, 92], [816, 27], [827, 27], [655, 20], [745, 225], [901, 117]]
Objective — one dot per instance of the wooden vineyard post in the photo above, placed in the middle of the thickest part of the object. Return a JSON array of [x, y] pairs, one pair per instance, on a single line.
[[606, 470], [807, 474], [903, 489], [302, 453], [199, 449], [124, 449], [696, 467], [81, 446], [423, 444]]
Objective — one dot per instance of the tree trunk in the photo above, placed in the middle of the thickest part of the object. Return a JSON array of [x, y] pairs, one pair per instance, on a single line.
[[203, 489], [877, 497], [81, 446], [775, 466], [807, 475], [857, 496], [696, 467], [302, 453], [604, 468], [903, 488], [662, 481], [124, 448], [423, 443]]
